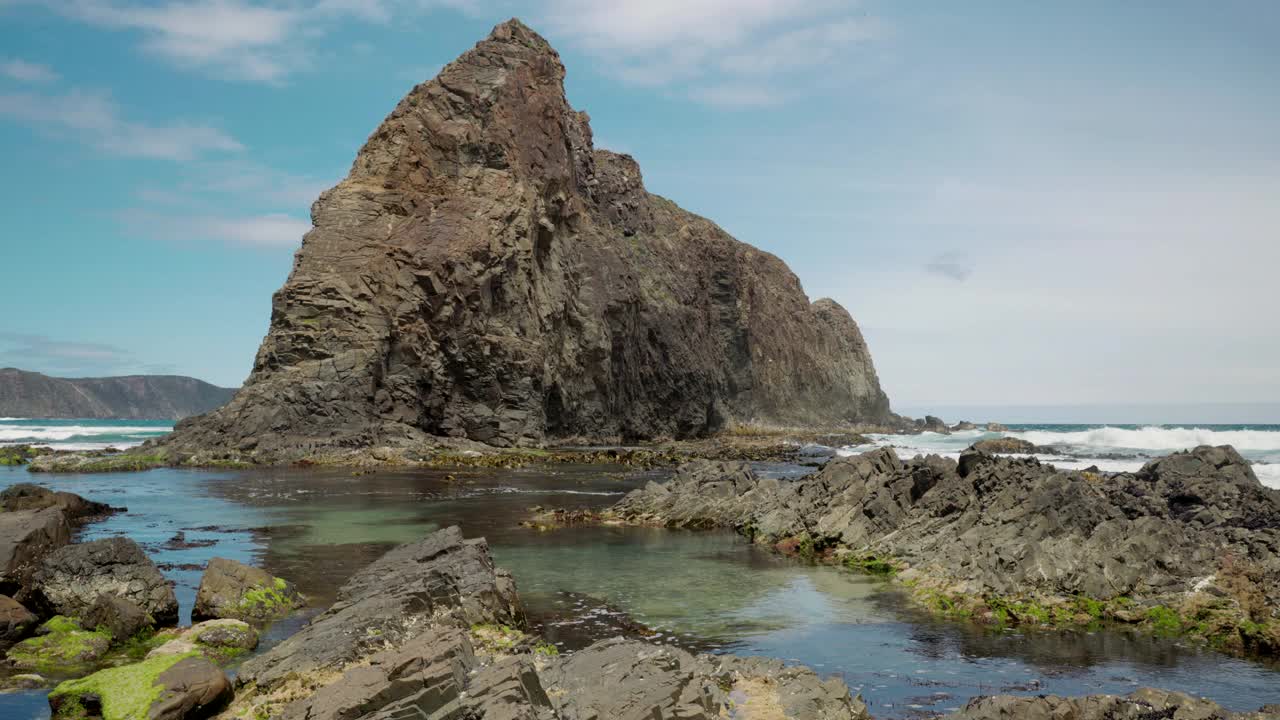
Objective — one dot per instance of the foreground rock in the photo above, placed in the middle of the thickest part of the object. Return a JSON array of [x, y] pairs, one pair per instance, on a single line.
[[485, 272], [229, 589], [428, 631], [166, 687], [72, 578], [62, 645], [1190, 543]]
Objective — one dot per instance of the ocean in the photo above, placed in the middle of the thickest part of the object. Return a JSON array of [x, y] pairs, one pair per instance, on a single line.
[[1117, 448]]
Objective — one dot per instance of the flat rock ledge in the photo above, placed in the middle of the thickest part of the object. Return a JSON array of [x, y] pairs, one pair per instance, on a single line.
[[1189, 544]]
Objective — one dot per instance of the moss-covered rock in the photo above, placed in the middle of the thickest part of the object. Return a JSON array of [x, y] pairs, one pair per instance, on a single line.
[[164, 687], [61, 646], [229, 589], [219, 640]]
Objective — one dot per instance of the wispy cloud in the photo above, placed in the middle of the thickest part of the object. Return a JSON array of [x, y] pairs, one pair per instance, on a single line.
[[94, 118], [56, 356], [268, 230], [954, 265], [240, 39], [733, 53], [27, 72]]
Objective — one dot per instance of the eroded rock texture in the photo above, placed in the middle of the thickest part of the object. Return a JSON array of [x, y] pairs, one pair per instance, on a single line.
[[485, 272]]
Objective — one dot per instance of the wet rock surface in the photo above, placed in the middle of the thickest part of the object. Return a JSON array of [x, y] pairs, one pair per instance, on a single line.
[[485, 273], [1194, 527], [72, 578]]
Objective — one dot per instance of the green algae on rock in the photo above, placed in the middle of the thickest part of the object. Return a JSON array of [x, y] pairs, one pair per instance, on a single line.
[[61, 646], [160, 687], [230, 589]]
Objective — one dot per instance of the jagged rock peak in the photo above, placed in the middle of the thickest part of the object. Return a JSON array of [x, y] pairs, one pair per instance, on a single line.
[[485, 272]]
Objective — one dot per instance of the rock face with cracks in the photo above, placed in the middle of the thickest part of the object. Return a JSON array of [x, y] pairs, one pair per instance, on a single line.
[[71, 579], [484, 272]]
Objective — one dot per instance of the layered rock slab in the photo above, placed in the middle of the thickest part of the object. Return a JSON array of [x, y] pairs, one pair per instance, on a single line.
[[485, 272]]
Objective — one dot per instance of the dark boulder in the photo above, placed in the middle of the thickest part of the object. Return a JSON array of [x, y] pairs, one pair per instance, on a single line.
[[118, 616], [26, 537], [71, 579]]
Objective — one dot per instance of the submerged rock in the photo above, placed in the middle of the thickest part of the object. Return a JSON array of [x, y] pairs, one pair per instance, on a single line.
[[229, 589], [484, 272], [71, 579]]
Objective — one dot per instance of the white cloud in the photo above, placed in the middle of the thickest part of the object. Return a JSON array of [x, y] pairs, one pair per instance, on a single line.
[[267, 230], [274, 230], [244, 40], [736, 53], [28, 72], [94, 118]]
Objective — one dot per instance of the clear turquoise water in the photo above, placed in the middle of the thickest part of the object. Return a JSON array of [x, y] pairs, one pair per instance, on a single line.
[[706, 590]]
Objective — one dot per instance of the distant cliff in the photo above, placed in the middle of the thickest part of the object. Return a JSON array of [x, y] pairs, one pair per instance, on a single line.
[[485, 272], [132, 397]]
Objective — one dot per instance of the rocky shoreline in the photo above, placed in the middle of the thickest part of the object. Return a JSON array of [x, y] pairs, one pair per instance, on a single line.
[[432, 629], [1189, 545]]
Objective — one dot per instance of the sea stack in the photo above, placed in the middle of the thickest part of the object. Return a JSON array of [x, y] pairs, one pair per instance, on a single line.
[[484, 272]]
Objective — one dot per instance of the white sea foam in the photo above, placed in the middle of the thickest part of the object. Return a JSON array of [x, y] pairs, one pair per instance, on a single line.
[[66, 432], [1156, 438], [1268, 474]]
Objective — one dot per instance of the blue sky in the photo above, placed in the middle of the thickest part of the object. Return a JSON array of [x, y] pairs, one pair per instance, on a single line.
[[1021, 203]]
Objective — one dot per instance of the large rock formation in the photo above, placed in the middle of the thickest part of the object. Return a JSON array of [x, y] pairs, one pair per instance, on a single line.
[[131, 397], [485, 272]]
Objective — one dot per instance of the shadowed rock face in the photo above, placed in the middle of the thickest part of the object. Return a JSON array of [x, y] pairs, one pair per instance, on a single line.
[[484, 272]]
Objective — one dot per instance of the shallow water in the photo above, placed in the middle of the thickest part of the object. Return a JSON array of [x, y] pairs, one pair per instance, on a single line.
[[707, 590]]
